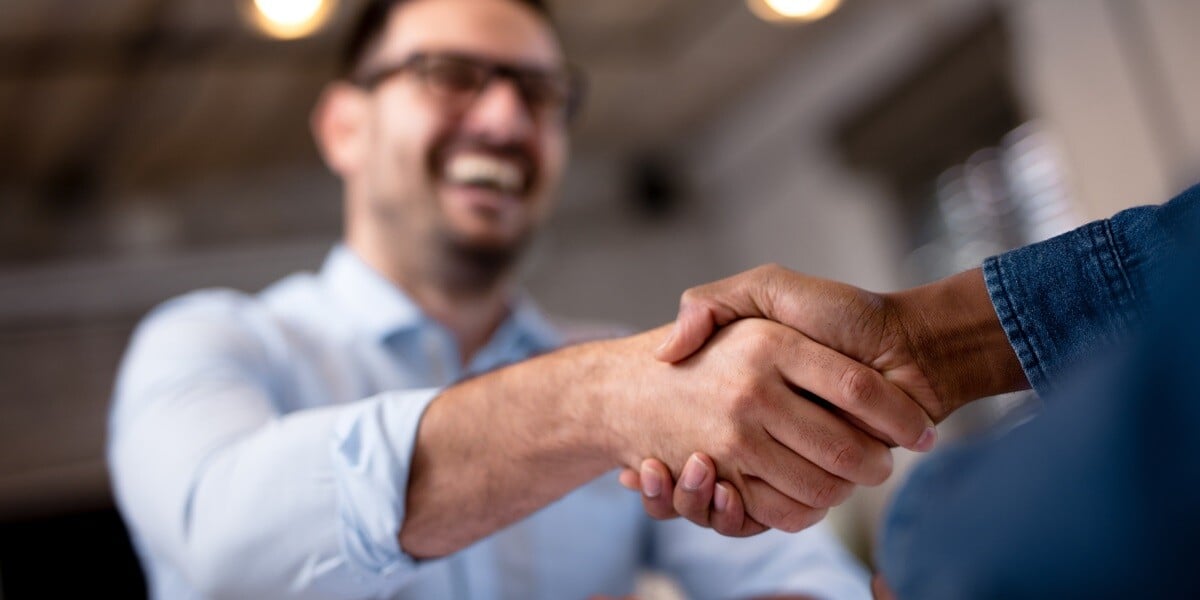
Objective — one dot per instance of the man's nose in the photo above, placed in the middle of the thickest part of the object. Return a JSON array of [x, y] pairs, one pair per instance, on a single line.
[[500, 112]]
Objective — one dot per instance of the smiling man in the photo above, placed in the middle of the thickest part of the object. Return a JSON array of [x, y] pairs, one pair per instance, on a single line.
[[405, 423]]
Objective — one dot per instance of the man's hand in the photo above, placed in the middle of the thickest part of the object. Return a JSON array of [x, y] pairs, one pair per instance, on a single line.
[[788, 458], [863, 326], [495, 448], [703, 501], [941, 344]]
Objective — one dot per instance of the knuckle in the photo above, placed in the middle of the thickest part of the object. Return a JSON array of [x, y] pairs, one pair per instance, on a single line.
[[858, 386], [747, 397], [768, 270], [690, 296], [793, 519], [760, 343], [731, 447], [830, 493], [847, 457]]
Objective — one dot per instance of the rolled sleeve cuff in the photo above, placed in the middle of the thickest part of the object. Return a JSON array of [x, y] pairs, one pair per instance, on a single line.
[[372, 450], [1060, 299]]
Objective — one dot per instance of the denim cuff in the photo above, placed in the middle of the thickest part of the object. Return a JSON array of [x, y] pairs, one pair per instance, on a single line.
[[1062, 299]]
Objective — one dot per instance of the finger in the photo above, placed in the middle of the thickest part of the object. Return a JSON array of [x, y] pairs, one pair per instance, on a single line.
[[858, 390], [829, 442], [694, 490], [630, 480], [704, 308], [880, 589], [657, 492], [693, 326], [729, 513], [796, 478], [771, 508]]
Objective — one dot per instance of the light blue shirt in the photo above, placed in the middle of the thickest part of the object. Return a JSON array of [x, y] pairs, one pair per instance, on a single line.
[[260, 447]]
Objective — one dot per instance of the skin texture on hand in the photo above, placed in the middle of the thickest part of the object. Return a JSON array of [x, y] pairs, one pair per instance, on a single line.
[[792, 457], [940, 343], [493, 449], [861, 326]]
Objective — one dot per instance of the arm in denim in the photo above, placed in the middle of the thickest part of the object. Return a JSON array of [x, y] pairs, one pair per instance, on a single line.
[[1061, 300], [1096, 496]]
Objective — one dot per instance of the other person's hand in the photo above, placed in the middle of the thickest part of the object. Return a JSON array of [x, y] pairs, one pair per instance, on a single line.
[[787, 458], [941, 344], [876, 330]]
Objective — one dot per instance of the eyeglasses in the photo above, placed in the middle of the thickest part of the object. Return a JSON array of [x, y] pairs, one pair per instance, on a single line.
[[458, 79]]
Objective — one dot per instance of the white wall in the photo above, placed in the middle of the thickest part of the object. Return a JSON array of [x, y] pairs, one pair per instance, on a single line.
[[1119, 87]]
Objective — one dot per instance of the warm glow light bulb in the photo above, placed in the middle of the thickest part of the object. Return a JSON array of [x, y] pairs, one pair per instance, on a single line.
[[793, 10], [288, 13], [288, 19]]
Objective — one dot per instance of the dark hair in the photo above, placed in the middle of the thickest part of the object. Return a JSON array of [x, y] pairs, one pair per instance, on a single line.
[[371, 22]]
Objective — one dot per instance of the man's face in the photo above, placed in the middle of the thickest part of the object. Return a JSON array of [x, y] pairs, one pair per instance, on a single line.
[[479, 176]]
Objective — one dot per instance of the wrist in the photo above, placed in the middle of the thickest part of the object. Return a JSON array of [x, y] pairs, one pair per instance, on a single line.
[[579, 378], [957, 340], [617, 375]]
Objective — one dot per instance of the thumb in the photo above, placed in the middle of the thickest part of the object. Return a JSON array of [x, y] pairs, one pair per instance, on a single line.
[[693, 326], [630, 480]]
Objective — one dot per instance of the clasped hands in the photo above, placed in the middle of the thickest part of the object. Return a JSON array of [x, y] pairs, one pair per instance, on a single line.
[[849, 385]]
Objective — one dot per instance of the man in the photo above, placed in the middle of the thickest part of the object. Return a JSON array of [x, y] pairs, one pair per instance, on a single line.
[[303, 441], [1093, 498]]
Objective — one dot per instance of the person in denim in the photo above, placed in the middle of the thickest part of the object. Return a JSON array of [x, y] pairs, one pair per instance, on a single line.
[[1096, 497]]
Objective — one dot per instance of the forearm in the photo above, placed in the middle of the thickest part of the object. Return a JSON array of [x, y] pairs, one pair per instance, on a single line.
[[958, 340], [498, 447]]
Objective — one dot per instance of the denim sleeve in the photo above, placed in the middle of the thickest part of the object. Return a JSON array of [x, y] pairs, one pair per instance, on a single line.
[[1095, 497], [1072, 295]]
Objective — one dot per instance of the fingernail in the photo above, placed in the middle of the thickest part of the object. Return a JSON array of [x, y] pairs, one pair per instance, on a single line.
[[693, 474], [651, 484], [926, 441], [720, 498]]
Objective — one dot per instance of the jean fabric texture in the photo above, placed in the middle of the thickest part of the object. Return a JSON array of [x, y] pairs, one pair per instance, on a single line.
[[1096, 496]]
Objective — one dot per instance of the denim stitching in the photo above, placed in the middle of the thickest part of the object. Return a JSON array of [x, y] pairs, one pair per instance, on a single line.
[[1026, 348]]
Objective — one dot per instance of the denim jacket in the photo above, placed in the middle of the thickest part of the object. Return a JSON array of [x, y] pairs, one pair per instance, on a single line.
[[1097, 496], [1062, 299]]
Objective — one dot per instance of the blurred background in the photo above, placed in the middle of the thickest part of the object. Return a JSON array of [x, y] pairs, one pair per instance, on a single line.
[[150, 147]]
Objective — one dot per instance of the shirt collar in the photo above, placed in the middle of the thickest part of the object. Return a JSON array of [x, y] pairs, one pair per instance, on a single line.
[[372, 302], [383, 310]]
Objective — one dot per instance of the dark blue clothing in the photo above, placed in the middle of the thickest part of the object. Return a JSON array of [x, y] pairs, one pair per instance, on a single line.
[[1099, 495]]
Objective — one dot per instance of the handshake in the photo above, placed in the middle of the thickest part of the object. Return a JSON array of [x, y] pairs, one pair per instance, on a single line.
[[787, 391]]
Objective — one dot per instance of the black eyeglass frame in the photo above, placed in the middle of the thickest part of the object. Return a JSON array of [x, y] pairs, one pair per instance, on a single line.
[[573, 80]]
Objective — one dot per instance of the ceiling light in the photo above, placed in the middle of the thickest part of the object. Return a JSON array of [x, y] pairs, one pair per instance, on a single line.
[[792, 11], [288, 19]]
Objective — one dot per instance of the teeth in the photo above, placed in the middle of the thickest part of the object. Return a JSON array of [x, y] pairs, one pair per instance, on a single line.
[[477, 169]]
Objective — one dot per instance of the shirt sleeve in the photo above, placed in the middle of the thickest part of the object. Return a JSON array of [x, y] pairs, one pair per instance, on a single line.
[[237, 497], [1063, 299], [708, 565], [1095, 497]]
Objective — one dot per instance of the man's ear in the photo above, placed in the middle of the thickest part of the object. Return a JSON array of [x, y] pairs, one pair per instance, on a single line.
[[338, 125]]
